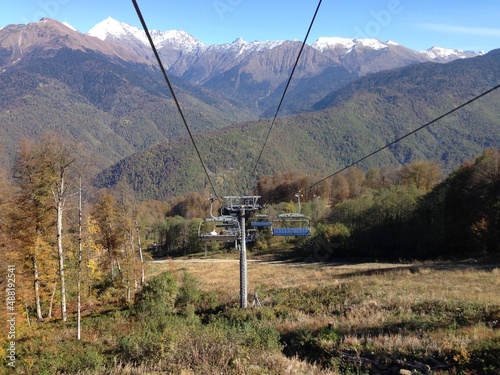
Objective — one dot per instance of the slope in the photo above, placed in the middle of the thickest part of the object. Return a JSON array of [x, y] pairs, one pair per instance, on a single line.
[[353, 122], [56, 79]]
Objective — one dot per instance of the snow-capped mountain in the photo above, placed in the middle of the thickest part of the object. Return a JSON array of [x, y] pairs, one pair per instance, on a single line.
[[250, 72], [184, 55], [446, 54], [113, 29], [18, 42], [176, 42], [346, 44]]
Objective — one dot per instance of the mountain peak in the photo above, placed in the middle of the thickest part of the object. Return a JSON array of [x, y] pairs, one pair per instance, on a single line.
[[175, 38], [371, 43], [325, 43], [445, 54], [111, 28]]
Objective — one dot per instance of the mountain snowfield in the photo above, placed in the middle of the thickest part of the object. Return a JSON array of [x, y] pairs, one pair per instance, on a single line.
[[179, 39], [113, 29]]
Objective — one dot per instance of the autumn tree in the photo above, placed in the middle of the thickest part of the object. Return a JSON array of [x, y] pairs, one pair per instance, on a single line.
[[46, 174], [8, 245], [485, 186], [33, 220], [281, 187], [424, 175], [62, 164], [110, 234], [195, 204], [472, 205], [339, 189]]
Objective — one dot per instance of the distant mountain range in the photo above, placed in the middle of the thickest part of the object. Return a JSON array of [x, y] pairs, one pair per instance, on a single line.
[[255, 72], [349, 124], [347, 96]]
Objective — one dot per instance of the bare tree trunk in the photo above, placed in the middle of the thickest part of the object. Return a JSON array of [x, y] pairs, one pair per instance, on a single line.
[[59, 193], [119, 266], [60, 254], [132, 253], [79, 280], [127, 269], [36, 285], [140, 253], [51, 304]]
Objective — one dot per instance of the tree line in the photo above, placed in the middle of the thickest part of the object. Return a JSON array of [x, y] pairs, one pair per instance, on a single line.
[[74, 246], [69, 243]]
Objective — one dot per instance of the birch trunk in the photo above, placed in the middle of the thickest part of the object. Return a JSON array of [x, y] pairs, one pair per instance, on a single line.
[[140, 254], [59, 200], [36, 285]]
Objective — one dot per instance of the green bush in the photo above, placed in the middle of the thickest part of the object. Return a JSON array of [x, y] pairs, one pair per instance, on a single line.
[[188, 295], [157, 298], [80, 358], [143, 347]]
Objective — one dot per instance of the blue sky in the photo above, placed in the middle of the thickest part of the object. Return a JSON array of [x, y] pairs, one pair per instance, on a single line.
[[417, 24]]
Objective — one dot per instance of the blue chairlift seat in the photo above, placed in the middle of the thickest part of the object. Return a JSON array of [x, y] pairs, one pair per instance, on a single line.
[[261, 221], [297, 232], [292, 224], [261, 224]]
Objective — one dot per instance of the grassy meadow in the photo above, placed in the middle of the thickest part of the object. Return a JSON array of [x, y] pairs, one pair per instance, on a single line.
[[368, 317], [314, 318]]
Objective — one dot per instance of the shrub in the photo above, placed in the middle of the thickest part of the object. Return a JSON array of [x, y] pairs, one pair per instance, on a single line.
[[157, 297], [188, 295]]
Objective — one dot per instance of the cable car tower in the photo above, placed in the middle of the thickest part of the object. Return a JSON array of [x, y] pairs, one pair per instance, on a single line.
[[232, 219]]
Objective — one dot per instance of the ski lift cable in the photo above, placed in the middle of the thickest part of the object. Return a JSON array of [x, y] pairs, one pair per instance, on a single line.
[[286, 88], [405, 136], [167, 80]]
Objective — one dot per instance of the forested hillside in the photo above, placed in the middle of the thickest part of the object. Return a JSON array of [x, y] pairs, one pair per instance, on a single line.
[[87, 295], [113, 108], [354, 121], [105, 91]]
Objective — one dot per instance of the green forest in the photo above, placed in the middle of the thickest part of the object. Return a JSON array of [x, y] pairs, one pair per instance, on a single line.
[[88, 299]]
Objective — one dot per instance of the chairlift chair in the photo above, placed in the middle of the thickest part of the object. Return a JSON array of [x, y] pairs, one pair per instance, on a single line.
[[230, 228], [292, 224], [230, 231], [251, 235], [261, 221]]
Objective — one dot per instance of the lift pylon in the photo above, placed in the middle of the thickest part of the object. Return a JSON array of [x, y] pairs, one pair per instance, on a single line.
[[241, 206], [232, 219]]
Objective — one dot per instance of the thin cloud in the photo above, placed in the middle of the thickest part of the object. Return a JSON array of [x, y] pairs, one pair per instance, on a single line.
[[463, 30]]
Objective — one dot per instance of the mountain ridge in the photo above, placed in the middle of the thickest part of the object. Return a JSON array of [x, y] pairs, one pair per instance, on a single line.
[[353, 122], [255, 72], [111, 28], [110, 96]]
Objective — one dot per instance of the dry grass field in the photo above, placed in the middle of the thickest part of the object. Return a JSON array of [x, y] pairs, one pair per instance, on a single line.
[[440, 318], [314, 319]]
